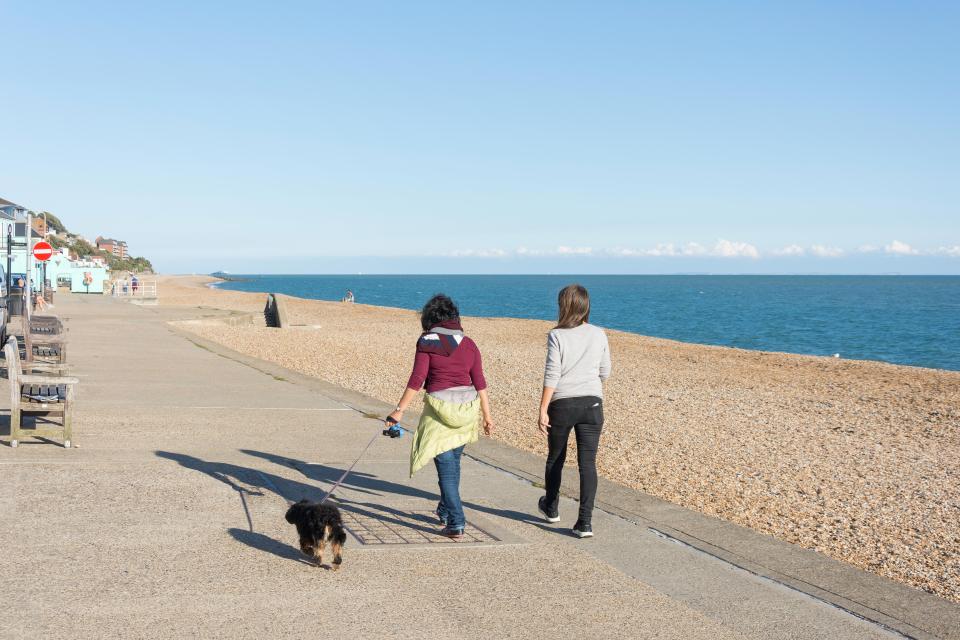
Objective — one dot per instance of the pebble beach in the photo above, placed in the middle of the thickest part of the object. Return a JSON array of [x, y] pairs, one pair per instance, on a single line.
[[857, 460]]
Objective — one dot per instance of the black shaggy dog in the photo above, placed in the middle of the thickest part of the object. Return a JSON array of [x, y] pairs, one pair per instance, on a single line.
[[317, 525]]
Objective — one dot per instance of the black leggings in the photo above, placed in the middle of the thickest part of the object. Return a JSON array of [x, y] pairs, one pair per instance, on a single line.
[[585, 416]]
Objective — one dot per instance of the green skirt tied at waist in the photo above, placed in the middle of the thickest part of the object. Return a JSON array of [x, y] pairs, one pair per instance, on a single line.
[[443, 426]]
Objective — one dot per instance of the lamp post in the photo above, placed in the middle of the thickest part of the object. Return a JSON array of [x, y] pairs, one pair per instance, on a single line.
[[43, 276], [9, 254], [28, 300]]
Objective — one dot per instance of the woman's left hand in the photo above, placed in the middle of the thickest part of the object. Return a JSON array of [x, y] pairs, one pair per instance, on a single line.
[[487, 425]]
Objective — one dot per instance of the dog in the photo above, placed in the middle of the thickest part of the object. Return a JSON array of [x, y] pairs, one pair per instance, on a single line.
[[317, 525]]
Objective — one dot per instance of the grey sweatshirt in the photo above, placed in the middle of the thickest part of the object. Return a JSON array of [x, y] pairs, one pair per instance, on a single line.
[[578, 360]]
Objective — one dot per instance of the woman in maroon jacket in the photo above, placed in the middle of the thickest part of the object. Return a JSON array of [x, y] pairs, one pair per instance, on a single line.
[[448, 364]]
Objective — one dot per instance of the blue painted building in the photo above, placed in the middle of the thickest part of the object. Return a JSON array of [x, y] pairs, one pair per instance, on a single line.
[[83, 276], [13, 222]]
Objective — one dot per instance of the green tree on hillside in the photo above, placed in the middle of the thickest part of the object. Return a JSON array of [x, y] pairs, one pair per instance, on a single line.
[[84, 249], [53, 222], [57, 242], [137, 265]]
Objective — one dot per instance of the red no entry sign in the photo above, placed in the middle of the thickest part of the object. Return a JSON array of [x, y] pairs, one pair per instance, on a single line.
[[42, 251]]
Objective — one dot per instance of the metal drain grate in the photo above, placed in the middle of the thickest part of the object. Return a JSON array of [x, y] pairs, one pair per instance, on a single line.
[[405, 527]]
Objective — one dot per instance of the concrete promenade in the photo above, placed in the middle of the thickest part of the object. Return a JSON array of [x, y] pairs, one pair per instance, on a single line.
[[167, 521]]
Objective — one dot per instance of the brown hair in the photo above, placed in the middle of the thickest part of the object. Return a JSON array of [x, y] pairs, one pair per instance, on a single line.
[[574, 303]]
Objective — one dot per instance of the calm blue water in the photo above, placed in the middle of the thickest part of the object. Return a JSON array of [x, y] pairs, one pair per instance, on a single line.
[[913, 320]]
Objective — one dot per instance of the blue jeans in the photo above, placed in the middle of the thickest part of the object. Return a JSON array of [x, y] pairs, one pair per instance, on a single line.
[[448, 473]]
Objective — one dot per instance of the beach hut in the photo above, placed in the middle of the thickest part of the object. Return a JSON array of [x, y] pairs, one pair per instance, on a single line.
[[86, 276]]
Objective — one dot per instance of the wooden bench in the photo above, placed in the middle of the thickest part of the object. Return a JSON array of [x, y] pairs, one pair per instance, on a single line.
[[46, 329], [42, 393], [45, 346], [46, 325]]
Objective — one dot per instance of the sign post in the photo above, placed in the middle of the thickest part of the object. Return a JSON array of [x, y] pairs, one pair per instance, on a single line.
[[27, 297], [9, 255], [43, 251]]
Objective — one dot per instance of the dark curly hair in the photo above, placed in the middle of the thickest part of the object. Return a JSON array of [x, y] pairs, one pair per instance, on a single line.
[[439, 308]]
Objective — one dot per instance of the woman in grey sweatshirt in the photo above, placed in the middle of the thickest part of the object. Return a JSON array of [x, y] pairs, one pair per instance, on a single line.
[[578, 361]]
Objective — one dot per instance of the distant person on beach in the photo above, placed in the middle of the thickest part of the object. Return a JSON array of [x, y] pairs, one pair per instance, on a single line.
[[578, 361], [348, 297], [448, 364], [134, 284]]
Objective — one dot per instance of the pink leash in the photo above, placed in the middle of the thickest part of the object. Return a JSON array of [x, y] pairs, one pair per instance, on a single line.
[[336, 485]]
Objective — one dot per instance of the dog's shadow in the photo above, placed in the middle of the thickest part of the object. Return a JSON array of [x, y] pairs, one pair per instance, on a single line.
[[268, 545]]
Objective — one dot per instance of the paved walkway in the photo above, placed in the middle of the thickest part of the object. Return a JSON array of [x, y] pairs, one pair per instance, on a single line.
[[167, 521]]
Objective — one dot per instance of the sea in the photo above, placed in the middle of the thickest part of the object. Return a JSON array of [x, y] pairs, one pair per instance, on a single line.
[[908, 320]]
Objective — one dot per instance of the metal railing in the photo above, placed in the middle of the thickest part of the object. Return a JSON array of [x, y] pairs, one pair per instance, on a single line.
[[130, 289]]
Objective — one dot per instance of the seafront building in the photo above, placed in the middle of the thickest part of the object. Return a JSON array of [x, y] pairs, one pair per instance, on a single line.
[[81, 275], [117, 247], [86, 275]]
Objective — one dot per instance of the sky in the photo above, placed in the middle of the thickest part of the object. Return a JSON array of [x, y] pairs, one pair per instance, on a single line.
[[492, 137]]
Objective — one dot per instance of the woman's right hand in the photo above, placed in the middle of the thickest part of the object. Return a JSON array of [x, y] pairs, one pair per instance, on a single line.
[[394, 417], [487, 425], [544, 423]]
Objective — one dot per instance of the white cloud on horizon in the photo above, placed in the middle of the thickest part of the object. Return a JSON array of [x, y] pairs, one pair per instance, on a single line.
[[478, 253], [791, 250], [667, 249], [727, 249], [897, 248], [953, 252], [523, 251], [574, 251], [823, 251], [721, 249]]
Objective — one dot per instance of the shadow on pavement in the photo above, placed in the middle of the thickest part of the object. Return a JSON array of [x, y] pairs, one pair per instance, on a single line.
[[242, 479], [370, 484], [232, 474], [268, 545]]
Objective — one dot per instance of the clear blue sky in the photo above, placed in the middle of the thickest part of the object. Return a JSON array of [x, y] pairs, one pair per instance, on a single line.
[[493, 137]]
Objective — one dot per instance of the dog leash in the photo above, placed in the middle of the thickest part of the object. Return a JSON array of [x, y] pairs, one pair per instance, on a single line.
[[343, 477]]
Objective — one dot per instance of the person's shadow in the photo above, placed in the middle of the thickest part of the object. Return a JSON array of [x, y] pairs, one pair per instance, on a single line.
[[249, 481], [246, 481], [372, 485]]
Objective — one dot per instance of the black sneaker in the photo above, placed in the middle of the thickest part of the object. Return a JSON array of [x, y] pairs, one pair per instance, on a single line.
[[583, 530], [453, 534], [549, 516]]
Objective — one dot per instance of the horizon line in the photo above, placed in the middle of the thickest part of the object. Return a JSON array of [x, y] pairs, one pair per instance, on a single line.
[[675, 273]]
